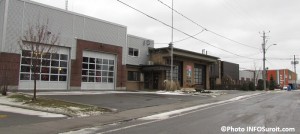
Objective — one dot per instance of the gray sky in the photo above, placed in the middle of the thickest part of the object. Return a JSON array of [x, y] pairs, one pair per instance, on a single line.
[[239, 20]]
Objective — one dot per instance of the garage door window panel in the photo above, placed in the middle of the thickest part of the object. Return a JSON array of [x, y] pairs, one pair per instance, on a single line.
[[50, 66]]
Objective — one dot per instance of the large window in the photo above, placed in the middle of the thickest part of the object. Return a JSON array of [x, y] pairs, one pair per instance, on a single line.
[[97, 70], [133, 52], [133, 76], [175, 73], [51, 66], [198, 74]]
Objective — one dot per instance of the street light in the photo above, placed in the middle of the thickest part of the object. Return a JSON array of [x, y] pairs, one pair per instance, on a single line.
[[264, 61]]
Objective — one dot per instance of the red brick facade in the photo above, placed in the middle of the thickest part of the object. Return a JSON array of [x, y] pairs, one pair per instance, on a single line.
[[76, 65], [9, 68]]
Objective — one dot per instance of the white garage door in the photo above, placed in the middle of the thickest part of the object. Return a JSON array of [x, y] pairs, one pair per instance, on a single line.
[[53, 70], [98, 71]]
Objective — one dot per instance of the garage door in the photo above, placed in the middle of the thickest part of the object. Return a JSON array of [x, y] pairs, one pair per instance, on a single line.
[[53, 70], [98, 71]]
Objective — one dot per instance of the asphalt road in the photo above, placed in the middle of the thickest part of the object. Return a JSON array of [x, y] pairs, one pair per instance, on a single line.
[[13, 119], [126, 101], [271, 110]]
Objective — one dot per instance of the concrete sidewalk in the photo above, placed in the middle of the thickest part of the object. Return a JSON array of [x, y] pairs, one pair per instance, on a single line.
[[65, 125]]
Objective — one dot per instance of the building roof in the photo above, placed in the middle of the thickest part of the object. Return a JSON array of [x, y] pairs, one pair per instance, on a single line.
[[188, 54]]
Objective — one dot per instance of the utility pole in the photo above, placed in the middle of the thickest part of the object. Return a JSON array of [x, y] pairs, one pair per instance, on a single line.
[[295, 63], [171, 45], [264, 58]]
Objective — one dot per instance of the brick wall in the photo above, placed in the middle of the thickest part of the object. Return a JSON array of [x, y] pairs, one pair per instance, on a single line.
[[76, 65], [9, 68]]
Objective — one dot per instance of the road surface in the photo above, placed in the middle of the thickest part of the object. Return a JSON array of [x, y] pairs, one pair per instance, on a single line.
[[272, 112]]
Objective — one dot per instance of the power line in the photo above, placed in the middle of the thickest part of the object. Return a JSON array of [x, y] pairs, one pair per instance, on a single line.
[[182, 31], [204, 27], [184, 38]]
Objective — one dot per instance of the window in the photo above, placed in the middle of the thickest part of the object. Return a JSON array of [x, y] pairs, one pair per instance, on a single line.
[[51, 67], [97, 70], [198, 74], [133, 76], [133, 52]]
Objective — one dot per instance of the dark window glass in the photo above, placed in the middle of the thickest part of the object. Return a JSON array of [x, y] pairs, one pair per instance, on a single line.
[[111, 68], [63, 57], [104, 73], [25, 68], [84, 79], [45, 77], [36, 61], [26, 53], [85, 66], [54, 70], [105, 67], [45, 70], [111, 62], [136, 53], [46, 62], [54, 63], [99, 61], [54, 78], [91, 79], [98, 67], [84, 72], [98, 79], [62, 71], [133, 52], [92, 60], [98, 73], [26, 61], [46, 56], [25, 77], [133, 76], [105, 61], [130, 51], [111, 74], [63, 64], [37, 70], [91, 72], [85, 59], [110, 80], [37, 76], [91, 66], [62, 78], [55, 56], [104, 79]]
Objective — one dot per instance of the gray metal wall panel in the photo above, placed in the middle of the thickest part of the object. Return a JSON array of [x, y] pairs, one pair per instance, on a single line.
[[2, 6], [13, 29], [138, 43], [69, 25]]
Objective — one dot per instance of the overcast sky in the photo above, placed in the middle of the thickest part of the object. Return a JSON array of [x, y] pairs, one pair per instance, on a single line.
[[242, 21]]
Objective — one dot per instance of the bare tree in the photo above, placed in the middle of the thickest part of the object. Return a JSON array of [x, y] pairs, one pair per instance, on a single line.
[[40, 42]]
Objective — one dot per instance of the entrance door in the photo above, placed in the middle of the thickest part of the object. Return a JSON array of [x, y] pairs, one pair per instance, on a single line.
[[155, 80]]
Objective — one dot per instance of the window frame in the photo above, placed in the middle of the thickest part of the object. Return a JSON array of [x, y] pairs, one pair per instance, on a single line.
[[133, 76], [135, 52]]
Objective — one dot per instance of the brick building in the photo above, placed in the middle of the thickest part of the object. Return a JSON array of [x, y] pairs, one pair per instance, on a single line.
[[93, 54], [282, 77]]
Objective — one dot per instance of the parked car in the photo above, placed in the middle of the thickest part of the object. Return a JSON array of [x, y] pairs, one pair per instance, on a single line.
[[285, 88]]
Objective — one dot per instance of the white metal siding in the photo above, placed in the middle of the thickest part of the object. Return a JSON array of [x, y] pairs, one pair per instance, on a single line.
[[69, 25], [138, 43], [2, 6]]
